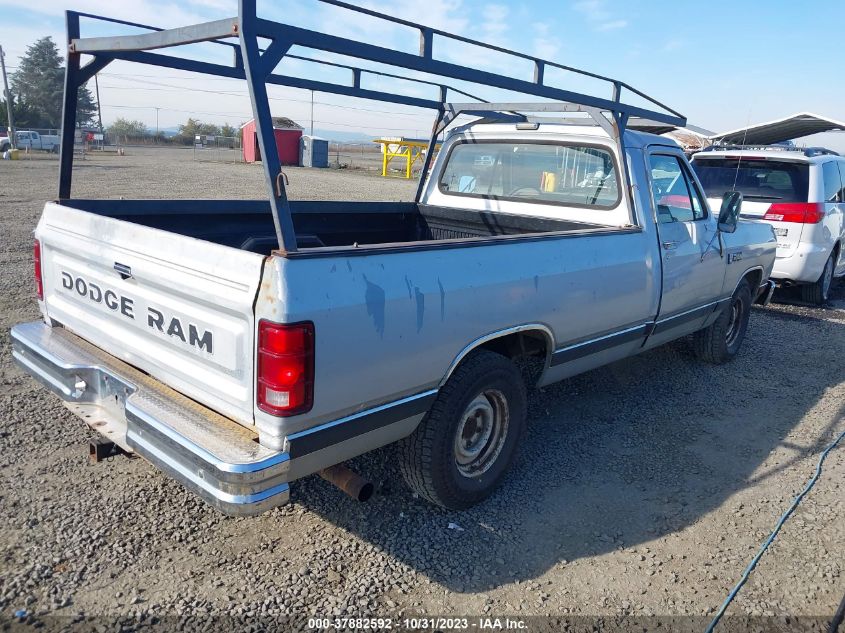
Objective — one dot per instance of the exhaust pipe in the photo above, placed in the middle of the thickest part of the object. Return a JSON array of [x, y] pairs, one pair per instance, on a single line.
[[348, 481]]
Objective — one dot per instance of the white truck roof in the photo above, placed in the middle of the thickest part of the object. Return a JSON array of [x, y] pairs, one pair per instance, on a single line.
[[808, 155], [633, 138]]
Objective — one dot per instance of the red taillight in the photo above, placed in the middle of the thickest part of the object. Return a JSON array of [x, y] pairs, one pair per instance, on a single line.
[[39, 282], [803, 212], [285, 367]]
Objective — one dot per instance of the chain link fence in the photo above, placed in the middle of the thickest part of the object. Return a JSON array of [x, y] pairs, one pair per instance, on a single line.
[[40, 143], [364, 155], [218, 149]]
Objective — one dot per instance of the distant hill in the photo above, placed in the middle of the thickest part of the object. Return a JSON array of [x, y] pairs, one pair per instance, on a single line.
[[338, 136], [343, 137]]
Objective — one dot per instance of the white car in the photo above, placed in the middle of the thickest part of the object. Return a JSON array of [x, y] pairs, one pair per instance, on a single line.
[[801, 193]]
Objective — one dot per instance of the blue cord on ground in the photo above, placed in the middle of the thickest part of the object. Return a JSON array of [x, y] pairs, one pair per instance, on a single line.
[[772, 536]]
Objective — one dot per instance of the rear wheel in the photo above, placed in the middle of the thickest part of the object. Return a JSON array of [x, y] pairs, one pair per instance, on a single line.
[[463, 447], [721, 341], [818, 292]]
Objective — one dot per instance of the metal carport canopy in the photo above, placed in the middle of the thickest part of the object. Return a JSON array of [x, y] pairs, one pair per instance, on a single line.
[[786, 129]]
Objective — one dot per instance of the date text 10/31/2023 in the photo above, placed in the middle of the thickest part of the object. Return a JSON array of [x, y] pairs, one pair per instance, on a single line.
[[419, 623]]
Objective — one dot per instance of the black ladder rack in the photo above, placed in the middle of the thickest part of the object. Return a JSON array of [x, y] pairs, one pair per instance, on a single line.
[[257, 66]]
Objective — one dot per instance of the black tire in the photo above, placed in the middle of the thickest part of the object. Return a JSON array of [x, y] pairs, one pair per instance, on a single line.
[[720, 342], [818, 292], [435, 464]]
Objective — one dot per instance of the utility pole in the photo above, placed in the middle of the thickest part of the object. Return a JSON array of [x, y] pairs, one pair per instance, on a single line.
[[312, 113], [99, 109], [13, 140], [157, 109]]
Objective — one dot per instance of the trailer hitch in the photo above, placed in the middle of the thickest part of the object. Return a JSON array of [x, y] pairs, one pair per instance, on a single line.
[[98, 450]]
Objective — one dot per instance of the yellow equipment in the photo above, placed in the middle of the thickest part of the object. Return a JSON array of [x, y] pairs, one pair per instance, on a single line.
[[409, 149]]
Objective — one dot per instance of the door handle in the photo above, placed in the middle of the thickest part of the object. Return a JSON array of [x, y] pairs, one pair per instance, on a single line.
[[670, 246]]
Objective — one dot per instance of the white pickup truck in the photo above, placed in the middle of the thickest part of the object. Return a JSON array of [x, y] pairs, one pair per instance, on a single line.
[[29, 139], [240, 345]]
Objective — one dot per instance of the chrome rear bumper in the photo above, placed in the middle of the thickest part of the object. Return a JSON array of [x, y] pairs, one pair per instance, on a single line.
[[215, 457]]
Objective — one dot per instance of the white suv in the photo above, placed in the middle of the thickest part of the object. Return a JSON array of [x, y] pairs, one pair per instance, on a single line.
[[801, 193]]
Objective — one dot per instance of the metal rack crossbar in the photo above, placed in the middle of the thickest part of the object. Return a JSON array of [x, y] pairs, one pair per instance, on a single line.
[[257, 66], [807, 151]]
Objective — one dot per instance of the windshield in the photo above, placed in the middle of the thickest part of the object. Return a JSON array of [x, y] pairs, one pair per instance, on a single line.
[[569, 175], [757, 179]]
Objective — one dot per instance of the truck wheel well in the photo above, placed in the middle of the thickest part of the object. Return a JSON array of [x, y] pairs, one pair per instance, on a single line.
[[530, 343], [519, 344], [756, 278]]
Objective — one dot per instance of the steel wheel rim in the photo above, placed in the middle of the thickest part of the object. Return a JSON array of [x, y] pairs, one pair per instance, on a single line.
[[481, 433], [734, 322]]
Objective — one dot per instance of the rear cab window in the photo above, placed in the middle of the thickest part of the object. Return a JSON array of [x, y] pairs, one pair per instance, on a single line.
[[573, 175], [759, 179]]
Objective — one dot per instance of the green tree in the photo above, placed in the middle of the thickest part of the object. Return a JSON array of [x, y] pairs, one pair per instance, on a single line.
[[228, 131], [124, 129], [25, 116], [38, 85], [189, 130]]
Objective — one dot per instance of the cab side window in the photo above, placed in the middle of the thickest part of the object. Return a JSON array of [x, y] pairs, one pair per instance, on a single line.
[[675, 194], [698, 203], [832, 182]]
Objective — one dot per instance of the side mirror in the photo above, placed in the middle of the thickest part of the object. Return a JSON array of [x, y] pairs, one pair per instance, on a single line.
[[729, 213]]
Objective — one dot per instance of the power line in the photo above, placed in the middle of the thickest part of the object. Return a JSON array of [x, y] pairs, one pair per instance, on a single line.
[[133, 107], [179, 77], [368, 127], [171, 87], [242, 115]]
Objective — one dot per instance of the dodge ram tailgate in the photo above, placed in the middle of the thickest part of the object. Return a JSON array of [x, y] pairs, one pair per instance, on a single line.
[[178, 308]]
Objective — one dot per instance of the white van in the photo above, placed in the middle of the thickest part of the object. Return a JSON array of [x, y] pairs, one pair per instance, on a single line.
[[801, 193]]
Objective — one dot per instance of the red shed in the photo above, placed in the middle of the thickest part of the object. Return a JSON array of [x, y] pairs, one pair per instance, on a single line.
[[287, 134]]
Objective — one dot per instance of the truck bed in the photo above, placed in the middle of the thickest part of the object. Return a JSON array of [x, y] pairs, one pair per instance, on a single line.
[[248, 224]]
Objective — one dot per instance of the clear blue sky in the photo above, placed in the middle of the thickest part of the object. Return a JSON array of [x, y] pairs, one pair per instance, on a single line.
[[722, 63]]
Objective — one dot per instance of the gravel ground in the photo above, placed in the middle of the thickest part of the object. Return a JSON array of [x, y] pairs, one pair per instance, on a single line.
[[642, 488]]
